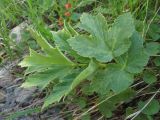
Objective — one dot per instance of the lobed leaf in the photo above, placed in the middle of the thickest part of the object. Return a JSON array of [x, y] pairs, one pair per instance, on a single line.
[[58, 92], [68, 84], [104, 44], [114, 78], [42, 79], [36, 59], [60, 39], [50, 51], [151, 109], [135, 59], [149, 77], [70, 29], [152, 48]]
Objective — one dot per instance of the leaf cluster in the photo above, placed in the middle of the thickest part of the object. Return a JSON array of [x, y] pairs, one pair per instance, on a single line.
[[104, 60]]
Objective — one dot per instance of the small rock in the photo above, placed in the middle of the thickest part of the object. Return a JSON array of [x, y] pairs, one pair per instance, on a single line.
[[53, 113], [10, 97], [10, 102], [2, 96], [11, 88], [5, 77], [55, 118], [16, 33], [1, 118], [18, 80], [7, 110], [24, 95], [1, 107], [26, 118]]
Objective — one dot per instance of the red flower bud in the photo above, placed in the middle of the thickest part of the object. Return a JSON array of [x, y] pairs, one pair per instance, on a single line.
[[60, 22], [67, 14], [68, 5]]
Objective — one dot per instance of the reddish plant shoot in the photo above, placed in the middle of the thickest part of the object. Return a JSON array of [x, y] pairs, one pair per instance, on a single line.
[[67, 14], [68, 6], [60, 21]]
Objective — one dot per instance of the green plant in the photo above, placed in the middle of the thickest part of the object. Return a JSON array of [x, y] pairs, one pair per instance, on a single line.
[[104, 61], [23, 113], [0, 59], [42, 14], [10, 11]]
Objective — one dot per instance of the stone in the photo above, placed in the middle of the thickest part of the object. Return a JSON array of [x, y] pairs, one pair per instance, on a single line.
[[16, 33], [55, 118], [10, 101], [2, 96], [26, 118], [6, 77], [1, 106], [53, 113], [1, 118], [23, 95], [10, 97]]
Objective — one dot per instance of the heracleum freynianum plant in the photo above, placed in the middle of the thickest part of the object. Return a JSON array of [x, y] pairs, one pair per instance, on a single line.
[[108, 58]]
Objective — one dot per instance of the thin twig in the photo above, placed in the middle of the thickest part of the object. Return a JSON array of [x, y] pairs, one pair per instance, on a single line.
[[134, 115], [93, 107]]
